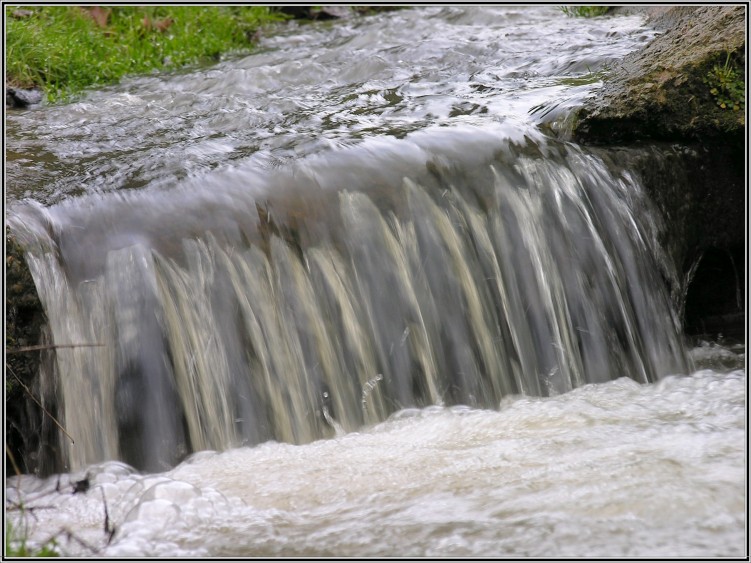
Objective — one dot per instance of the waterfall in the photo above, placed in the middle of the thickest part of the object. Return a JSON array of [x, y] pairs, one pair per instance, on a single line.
[[299, 302]]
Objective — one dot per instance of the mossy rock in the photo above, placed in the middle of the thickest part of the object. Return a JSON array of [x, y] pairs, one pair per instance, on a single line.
[[24, 313], [31, 436], [664, 91], [671, 93]]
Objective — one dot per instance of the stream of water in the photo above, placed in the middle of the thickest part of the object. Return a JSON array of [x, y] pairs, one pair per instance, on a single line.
[[357, 294]]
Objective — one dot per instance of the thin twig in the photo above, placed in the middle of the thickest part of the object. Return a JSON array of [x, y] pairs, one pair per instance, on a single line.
[[60, 426], [12, 459], [109, 528], [48, 347], [71, 536], [18, 506]]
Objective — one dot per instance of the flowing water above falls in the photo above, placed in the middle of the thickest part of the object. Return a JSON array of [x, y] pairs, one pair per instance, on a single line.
[[359, 234], [314, 89]]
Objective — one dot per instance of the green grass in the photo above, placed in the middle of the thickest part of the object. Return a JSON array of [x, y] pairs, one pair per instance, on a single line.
[[585, 11], [15, 545], [63, 50]]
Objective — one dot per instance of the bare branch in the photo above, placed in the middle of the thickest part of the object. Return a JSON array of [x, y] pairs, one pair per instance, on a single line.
[[48, 347], [23, 385], [12, 459]]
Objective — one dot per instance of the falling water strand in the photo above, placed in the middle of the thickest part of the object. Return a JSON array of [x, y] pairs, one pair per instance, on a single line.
[[454, 289]]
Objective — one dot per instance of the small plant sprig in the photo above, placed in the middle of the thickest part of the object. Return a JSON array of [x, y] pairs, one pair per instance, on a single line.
[[16, 546], [584, 11], [727, 85]]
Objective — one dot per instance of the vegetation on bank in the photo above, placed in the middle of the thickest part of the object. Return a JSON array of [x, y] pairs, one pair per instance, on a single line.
[[65, 49], [585, 11], [727, 83]]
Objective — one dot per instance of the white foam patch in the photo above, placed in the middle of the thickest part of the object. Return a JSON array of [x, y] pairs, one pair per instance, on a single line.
[[615, 469]]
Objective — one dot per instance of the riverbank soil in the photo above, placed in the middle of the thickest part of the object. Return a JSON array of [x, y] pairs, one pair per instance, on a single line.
[[686, 88]]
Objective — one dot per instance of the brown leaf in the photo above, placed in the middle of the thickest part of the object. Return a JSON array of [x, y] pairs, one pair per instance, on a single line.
[[158, 25], [163, 24], [99, 15]]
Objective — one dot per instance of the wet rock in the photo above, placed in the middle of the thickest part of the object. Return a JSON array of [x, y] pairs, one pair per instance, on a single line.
[[21, 14], [661, 92], [715, 308], [700, 195], [21, 98], [316, 12], [665, 93], [335, 11], [31, 436]]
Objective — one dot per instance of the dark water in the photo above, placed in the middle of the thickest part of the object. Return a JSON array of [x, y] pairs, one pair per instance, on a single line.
[[367, 237]]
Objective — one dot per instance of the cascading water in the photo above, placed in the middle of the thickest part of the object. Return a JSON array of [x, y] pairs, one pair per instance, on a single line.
[[445, 280], [369, 252]]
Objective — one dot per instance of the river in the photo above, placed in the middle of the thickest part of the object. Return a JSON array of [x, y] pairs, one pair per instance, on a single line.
[[358, 295]]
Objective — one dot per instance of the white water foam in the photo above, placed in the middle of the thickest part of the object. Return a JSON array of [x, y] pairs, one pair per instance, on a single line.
[[617, 469]]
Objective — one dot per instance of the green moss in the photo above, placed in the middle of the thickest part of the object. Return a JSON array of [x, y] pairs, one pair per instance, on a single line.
[[585, 11], [24, 317], [590, 78], [64, 49], [727, 84]]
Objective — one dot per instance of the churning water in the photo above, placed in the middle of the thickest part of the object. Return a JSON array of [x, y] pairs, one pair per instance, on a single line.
[[614, 469], [365, 278]]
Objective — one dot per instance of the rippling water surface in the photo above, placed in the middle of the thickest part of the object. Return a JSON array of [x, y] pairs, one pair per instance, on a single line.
[[612, 469], [317, 88]]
